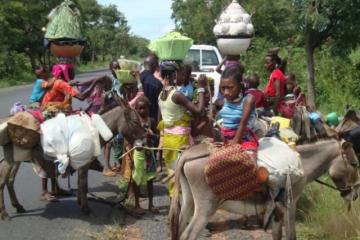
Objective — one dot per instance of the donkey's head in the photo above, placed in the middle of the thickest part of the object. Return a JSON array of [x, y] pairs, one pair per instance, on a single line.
[[129, 124], [344, 172]]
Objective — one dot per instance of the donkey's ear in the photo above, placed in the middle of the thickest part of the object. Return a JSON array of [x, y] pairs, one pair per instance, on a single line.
[[346, 145], [120, 101]]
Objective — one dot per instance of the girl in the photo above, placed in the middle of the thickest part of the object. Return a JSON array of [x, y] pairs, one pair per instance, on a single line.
[[144, 166], [176, 120], [238, 112]]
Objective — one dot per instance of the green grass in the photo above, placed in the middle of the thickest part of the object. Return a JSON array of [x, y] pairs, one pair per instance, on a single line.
[[81, 68], [20, 79], [322, 214]]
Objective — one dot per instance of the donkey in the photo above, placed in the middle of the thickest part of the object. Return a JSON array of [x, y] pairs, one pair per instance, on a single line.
[[120, 119], [199, 201]]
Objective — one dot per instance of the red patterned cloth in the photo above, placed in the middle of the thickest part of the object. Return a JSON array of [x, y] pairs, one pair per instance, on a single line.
[[231, 173]]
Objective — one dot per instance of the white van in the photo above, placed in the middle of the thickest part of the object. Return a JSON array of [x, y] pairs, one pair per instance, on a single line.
[[204, 60]]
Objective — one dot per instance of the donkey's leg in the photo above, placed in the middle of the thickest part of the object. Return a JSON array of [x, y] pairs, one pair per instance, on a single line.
[[187, 206], [10, 185], [277, 224], [82, 189], [5, 169], [204, 200]]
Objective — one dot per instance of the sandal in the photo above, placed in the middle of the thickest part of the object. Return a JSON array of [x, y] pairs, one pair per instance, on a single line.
[[109, 173], [47, 197], [62, 193]]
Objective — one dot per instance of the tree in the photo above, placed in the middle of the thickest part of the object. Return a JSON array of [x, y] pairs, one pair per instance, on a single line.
[[321, 21]]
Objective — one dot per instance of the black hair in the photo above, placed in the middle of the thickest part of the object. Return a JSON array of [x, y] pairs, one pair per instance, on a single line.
[[143, 99], [234, 72], [187, 70], [280, 63], [254, 81]]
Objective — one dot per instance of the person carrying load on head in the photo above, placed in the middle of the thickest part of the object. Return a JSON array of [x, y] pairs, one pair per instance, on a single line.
[[276, 86], [238, 112], [58, 98], [175, 116]]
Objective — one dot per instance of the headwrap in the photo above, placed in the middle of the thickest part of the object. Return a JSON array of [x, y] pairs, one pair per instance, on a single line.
[[62, 68], [169, 66], [231, 63]]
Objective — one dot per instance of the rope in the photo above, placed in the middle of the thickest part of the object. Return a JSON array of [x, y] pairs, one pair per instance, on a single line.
[[150, 148]]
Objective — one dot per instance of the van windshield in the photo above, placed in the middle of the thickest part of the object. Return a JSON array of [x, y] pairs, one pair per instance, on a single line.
[[209, 58], [193, 58]]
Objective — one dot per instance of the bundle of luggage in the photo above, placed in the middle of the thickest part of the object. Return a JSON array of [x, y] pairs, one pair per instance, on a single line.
[[233, 175]]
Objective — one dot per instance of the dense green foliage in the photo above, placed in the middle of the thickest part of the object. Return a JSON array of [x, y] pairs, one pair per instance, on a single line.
[[21, 45], [319, 39]]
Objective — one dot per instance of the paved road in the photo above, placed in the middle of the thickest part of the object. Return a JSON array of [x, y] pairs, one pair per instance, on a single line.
[[62, 220]]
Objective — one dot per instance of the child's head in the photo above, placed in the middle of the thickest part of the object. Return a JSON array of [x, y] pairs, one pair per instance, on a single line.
[[41, 73], [253, 81], [113, 66], [231, 82], [142, 106], [290, 82], [183, 75]]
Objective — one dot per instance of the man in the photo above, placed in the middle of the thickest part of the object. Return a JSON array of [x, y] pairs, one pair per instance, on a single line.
[[151, 85]]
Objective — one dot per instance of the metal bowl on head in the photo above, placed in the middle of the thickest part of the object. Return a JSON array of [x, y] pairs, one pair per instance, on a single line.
[[233, 46]]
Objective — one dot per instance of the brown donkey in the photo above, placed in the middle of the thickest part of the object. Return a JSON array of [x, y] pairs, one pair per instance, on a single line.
[[121, 119], [199, 202]]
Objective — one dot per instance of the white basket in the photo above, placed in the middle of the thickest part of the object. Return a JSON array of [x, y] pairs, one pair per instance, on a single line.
[[233, 46]]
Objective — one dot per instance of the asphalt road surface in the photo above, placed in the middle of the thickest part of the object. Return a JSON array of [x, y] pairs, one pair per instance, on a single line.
[[63, 220]]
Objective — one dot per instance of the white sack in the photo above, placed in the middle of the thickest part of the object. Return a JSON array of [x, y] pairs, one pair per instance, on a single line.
[[279, 159]]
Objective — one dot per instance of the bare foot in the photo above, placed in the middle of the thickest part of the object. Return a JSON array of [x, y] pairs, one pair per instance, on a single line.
[[138, 211], [109, 173], [154, 210], [61, 193], [47, 197]]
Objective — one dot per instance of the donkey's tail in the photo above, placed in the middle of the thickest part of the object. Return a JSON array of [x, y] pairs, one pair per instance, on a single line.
[[289, 201], [175, 206]]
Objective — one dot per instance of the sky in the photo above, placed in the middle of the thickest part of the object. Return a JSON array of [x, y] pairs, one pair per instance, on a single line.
[[147, 18]]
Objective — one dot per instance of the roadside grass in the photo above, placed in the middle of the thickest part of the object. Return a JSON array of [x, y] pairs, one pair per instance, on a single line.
[[81, 68], [21, 79], [324, 215], [110, 232]]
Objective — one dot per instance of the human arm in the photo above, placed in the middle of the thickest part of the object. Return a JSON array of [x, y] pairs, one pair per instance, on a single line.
[[218, 68], [249, 106], [182, 100]]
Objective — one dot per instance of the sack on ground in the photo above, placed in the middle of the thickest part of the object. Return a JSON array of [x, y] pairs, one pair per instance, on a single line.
[[231, 173], [23, 130], [279, 159]]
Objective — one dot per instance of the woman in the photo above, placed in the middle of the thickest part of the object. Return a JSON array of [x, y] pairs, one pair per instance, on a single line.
[[175, 109], [238, 112], [276, 87]]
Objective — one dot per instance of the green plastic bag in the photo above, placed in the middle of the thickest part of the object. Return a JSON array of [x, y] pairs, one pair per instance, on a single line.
[[171, 46], [64, 22], [125, 77]]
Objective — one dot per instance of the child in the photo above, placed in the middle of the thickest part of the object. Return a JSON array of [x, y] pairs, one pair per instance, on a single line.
[[238, 112], [144, 166], [294, 91], [252, 88], [184, 82], [41, 84]]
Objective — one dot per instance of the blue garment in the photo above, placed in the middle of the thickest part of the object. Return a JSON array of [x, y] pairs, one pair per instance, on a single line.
[[37, 92], [231, 114], [152, 88], [187, 90]]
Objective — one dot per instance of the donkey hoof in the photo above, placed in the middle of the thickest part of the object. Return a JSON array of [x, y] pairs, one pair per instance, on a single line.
[[20, 209], [4, 216], [86, 211]]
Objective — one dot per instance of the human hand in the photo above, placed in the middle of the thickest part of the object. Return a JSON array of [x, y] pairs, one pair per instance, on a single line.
[[202, 81]]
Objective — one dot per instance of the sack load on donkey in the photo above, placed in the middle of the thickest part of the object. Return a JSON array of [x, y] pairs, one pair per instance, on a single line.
[[73, 139]]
